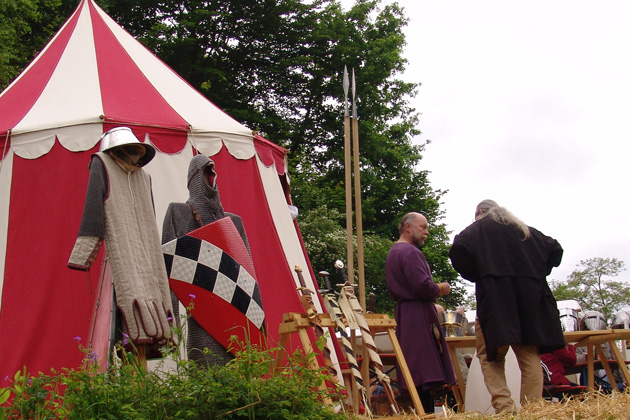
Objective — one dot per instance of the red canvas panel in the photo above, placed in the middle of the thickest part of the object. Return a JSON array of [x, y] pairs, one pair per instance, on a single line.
[[46, 308], [220, 319], [165, 140], [270, 153], [240, 187], [128, 96]]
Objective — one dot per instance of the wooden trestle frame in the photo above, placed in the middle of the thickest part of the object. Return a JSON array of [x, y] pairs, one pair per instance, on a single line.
[[299, 322]]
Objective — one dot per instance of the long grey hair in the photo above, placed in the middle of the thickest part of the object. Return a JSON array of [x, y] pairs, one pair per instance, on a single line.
[[489, 208]]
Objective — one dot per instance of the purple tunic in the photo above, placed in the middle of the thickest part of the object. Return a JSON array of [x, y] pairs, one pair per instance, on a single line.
[[410, 284]]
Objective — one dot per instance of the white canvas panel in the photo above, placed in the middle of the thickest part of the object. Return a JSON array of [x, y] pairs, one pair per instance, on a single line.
[[76, 138], [211, 143], [72, 95], [168, 180], [284, 225], [33, 144], [6, 171], [477, 396], [288, 236], [80, 137]]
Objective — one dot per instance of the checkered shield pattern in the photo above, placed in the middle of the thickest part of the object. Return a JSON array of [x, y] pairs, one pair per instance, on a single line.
[[198, 262]]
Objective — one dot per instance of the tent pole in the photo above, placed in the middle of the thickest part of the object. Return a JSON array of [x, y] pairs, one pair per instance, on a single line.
[[347, 167]]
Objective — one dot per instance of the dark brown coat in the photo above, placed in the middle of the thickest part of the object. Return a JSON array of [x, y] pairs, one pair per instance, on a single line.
[[514, 302]]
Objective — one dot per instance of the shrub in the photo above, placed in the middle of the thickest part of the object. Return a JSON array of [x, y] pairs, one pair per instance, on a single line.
[[246, 388]]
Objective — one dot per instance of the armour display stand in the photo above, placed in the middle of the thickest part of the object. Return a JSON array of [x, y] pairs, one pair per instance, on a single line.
[[298, 322]]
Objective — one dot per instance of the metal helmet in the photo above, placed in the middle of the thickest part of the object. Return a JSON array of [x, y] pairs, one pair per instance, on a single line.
[[569, 320], [621, 320], [594, 320], [122, 136]]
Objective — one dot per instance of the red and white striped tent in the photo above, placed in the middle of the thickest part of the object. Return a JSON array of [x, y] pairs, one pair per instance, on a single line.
[[93, 76]]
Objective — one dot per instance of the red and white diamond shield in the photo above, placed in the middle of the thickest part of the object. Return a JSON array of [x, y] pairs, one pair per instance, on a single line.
[[211, 268]]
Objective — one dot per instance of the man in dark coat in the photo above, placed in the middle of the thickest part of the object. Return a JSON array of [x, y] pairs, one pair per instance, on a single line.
[[509, 262], [418, 329]]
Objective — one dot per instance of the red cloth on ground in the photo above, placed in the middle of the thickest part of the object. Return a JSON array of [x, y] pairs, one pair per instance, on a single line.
[[557, 362]]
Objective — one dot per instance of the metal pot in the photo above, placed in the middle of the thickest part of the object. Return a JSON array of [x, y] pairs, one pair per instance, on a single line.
[[453, 323]]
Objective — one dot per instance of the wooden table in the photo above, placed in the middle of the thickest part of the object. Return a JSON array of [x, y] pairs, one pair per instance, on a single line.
[[592, 340], [453, 344]]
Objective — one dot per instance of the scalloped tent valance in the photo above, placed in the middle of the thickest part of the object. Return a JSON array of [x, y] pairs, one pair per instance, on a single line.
[[94, 73], [82, 137]]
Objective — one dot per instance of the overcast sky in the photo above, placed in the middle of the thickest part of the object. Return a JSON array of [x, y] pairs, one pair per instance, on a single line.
[[528, 103]]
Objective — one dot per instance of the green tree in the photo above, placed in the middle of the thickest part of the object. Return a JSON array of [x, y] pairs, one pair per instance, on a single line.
[[325, 241], [25, 28], [592, 286]]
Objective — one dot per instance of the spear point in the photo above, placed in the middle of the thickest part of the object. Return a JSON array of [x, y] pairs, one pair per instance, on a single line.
[[354, 89], [346, 84]]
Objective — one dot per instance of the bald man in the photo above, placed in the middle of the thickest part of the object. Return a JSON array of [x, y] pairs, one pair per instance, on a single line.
[[418, 329]]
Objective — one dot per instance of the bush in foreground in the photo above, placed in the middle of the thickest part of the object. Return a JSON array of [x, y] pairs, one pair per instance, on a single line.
[[246, 388]]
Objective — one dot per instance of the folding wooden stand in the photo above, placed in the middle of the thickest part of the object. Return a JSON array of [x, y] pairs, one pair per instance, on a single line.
[[298, 322], [593, 341]]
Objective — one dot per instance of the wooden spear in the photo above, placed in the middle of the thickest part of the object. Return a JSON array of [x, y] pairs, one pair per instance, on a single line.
[[348, 173], [357, 196]]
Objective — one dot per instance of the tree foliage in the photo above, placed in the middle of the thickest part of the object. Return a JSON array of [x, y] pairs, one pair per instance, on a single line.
[[25, 28], [277, 66], [592, 286], [326, 240]]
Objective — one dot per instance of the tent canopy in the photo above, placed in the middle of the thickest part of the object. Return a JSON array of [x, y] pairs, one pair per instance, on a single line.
[[93, 76]]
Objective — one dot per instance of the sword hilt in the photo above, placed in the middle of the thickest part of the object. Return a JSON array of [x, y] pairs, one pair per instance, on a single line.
[[302, 287], [324, 275], [341, 270]]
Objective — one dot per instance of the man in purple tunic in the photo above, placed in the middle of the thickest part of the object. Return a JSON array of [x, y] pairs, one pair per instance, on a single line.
[[418, 329]]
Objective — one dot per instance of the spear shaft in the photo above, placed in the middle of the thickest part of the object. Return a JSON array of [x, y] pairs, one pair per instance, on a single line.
[[348, 173], [357, 195]]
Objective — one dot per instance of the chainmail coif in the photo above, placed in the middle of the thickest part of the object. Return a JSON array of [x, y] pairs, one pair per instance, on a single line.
[[204, 193]]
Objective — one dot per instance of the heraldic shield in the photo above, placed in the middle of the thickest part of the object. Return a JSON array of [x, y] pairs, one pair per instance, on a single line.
[[211, 270]]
